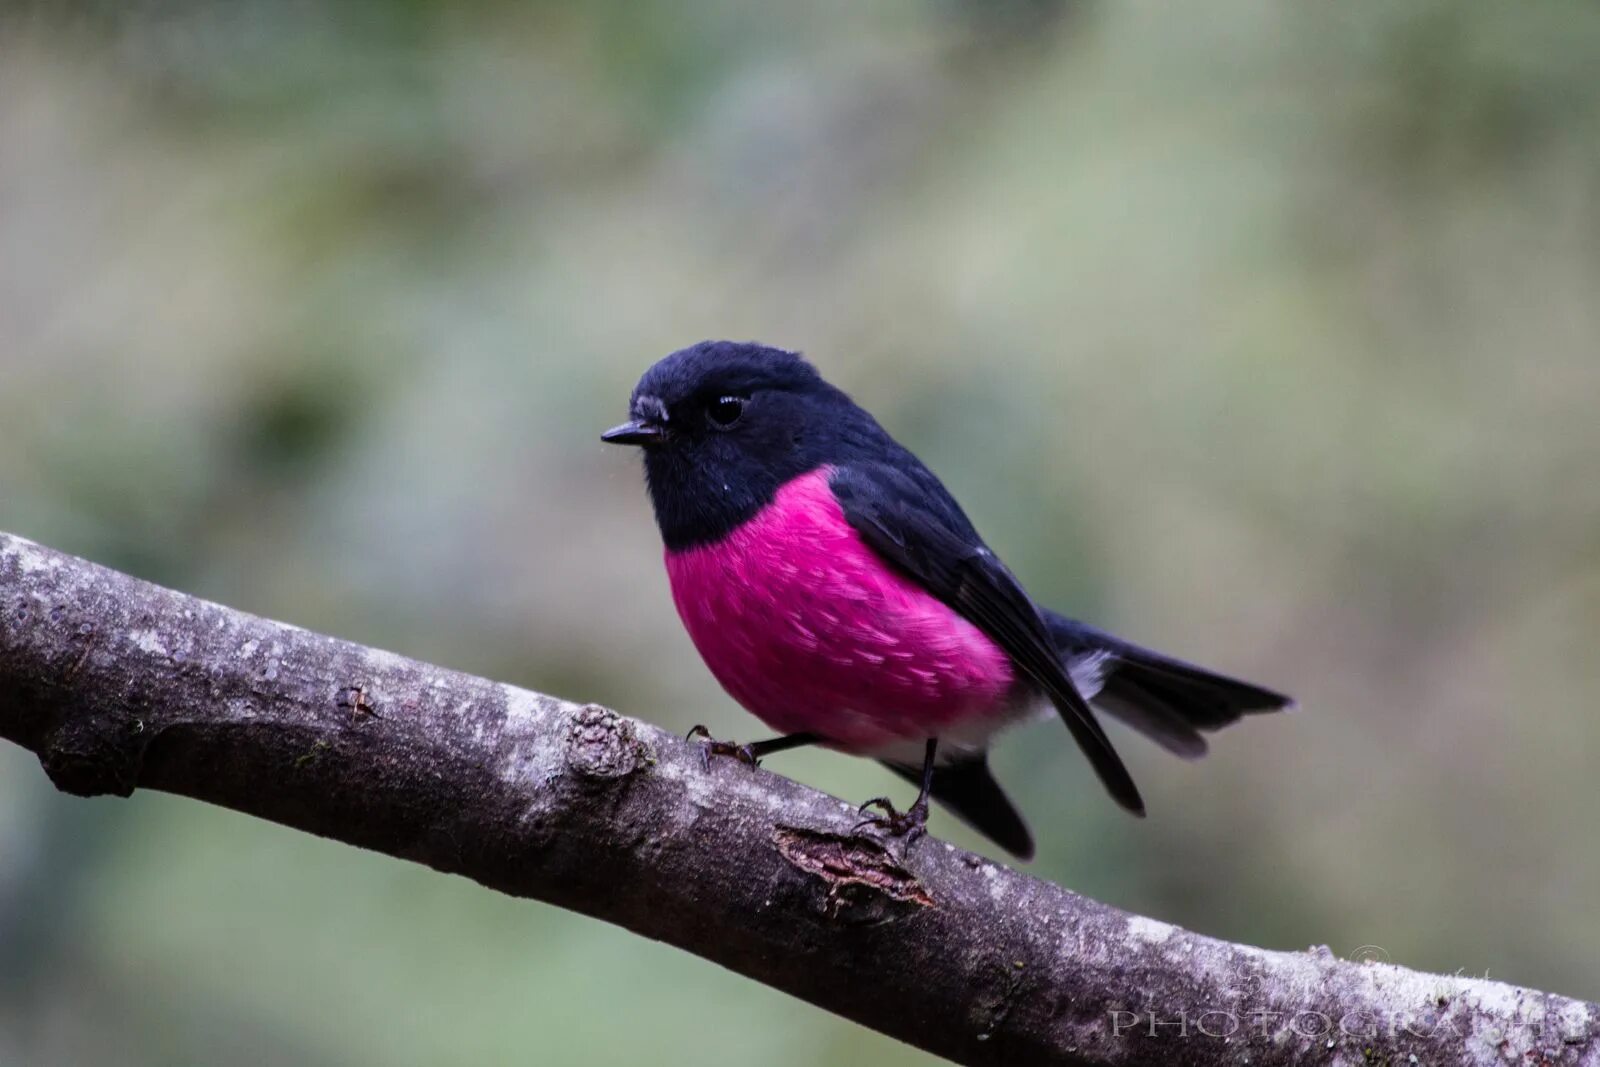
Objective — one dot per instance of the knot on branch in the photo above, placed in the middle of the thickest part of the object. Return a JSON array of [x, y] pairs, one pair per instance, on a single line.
[[855, 869], [602, 745], [90, 757]]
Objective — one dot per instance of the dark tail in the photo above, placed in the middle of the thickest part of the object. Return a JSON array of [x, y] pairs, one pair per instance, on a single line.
[[1165, 699], [970, 791]]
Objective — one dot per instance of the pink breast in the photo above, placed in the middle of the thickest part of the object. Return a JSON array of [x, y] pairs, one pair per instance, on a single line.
[[810, 630]]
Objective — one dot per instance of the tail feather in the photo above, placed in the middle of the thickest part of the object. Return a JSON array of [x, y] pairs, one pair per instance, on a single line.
[[1153, 717], [971, 793], [1166, 699]]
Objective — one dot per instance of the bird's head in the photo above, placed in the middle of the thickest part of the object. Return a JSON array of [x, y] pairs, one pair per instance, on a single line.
[[723, 425]]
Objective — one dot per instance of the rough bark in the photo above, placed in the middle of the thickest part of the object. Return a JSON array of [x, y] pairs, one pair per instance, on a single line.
[[117, 684]]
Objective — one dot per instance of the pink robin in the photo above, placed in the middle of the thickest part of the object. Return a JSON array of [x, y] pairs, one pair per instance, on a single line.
[[836, 590]]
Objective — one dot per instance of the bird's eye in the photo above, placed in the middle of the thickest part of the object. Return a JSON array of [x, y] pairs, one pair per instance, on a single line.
[[725, 411]]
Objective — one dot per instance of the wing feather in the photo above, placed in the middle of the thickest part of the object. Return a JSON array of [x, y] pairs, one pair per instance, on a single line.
[[924, 535]]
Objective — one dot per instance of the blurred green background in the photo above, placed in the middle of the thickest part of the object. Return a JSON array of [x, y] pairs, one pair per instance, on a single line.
[[1265, 335]]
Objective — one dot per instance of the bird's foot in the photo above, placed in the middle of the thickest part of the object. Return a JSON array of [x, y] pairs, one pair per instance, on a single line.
[[909, 824], [745, 754]]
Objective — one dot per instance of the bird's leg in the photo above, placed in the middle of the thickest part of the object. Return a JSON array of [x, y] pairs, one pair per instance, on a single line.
[[913, 822], [752, 754]]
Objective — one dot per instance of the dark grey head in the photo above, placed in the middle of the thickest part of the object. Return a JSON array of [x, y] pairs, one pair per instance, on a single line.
[[725, 424]]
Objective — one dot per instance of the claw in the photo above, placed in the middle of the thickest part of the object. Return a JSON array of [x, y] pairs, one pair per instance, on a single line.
[[712, 747], [909, 824]]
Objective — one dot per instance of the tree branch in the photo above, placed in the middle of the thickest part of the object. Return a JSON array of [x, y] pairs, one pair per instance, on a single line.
[[117, 684]]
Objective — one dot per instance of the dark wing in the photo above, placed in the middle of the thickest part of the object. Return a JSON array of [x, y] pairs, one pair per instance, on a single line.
[[967, 788], [910, 520]]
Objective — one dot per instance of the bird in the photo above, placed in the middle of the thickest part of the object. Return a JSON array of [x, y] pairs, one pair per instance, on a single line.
[[835, 588]]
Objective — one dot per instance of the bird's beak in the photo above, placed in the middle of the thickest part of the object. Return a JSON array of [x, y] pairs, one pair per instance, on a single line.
[[635, 432]]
